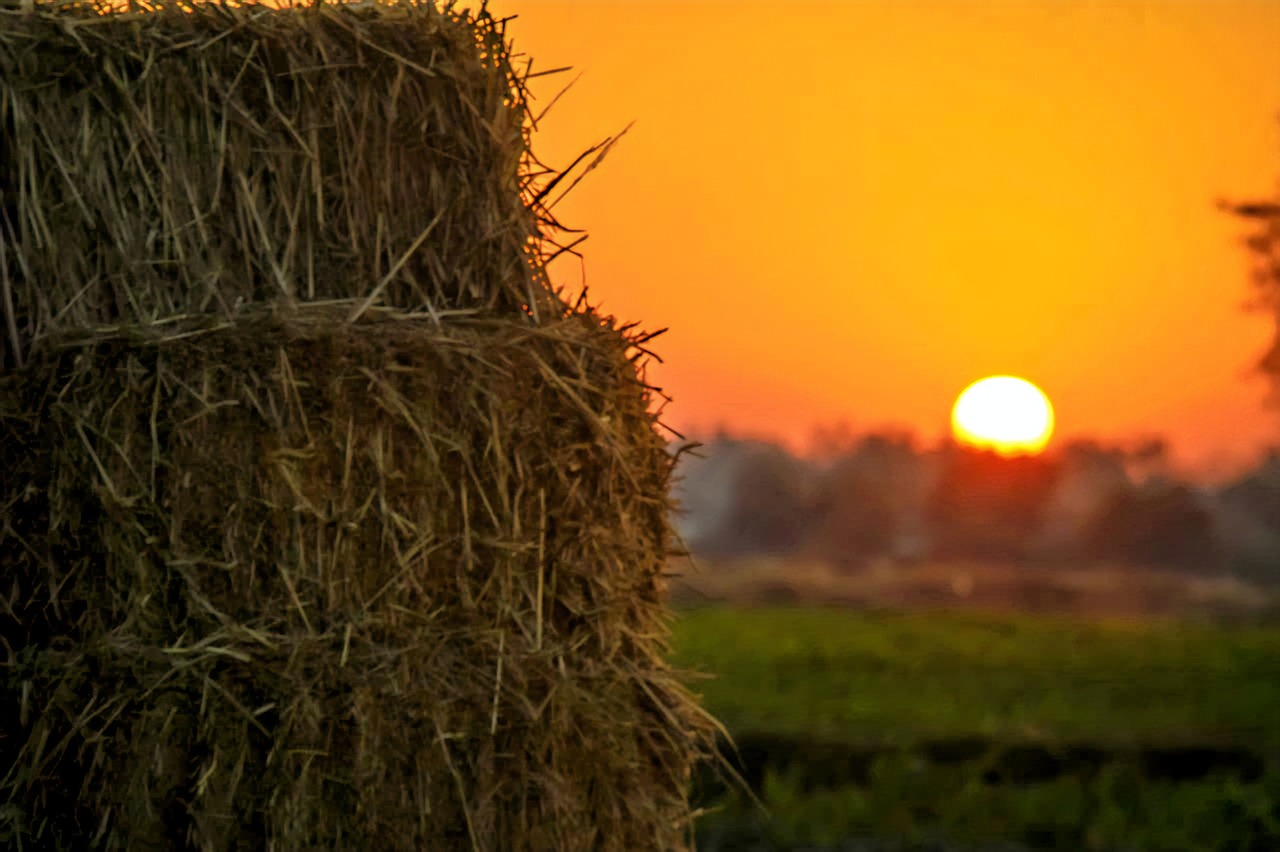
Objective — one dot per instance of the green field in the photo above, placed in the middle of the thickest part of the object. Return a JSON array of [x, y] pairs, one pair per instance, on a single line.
[[832, 686], [900, 678]]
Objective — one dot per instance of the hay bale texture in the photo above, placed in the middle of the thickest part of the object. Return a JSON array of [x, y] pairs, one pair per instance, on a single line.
[[324, 522], [198, 157]]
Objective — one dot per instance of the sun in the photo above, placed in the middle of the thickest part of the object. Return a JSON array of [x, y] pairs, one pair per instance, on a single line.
[[1005, 414]]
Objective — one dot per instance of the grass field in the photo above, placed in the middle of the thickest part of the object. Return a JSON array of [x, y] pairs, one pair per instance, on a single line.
[[812, 691], [867, 677]]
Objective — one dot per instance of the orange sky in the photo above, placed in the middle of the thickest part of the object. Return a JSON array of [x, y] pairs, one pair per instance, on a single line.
[[852, 210]]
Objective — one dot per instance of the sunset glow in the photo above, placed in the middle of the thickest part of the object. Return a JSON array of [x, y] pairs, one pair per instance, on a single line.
[[1005, 414], [846, 211]]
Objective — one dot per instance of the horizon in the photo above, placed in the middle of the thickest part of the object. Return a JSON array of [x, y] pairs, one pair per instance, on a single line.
[[849, 440], [902, 198]]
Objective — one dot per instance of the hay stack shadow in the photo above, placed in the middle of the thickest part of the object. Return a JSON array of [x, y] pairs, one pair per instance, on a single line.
[[325, 523]]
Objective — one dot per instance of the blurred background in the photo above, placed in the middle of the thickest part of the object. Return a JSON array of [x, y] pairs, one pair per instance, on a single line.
[[847, 212], [880, 506]]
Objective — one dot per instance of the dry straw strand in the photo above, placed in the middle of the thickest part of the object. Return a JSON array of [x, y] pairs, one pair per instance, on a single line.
[[327, 523], [311, 650], [199, 157]]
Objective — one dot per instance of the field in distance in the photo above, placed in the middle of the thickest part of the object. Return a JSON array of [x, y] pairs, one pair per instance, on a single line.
[[903, 678], [1088, 591], [875, 730]]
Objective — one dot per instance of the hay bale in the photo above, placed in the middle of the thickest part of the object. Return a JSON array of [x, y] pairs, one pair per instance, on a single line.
[[196, 157], [294, 583], [324, 522]]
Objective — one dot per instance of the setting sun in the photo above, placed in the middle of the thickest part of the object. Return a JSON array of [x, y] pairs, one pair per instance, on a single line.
[[1005, 414], [1095, 134]]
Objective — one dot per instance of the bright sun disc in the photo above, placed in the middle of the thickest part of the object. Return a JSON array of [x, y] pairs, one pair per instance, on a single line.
[[1005, 414]]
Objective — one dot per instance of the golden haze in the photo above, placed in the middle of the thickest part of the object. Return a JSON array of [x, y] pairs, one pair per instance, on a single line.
[[846, 210]]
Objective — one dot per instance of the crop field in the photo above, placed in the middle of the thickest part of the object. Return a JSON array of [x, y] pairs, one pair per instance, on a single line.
[[945, 730]]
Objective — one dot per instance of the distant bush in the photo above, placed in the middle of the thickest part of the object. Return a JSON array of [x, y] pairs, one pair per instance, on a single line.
[[882, 496], [861, 502], [990, 507], [769, 506], [1248, 515], [1162, 525]]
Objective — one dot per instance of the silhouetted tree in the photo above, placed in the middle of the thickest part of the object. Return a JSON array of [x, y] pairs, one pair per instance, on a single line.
[[769, 506], [1264, 245], [1248, 515], [860, 501], [1089, 474], [1161, 525], [1258, 491], [987, 506]]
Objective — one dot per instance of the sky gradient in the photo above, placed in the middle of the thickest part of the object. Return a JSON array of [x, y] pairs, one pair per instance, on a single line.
[[849, 211]]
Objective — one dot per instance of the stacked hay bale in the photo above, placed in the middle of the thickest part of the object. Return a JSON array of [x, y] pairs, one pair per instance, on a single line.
[[324, 523]]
